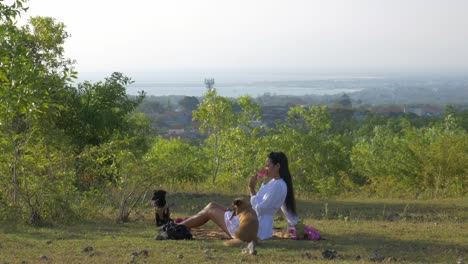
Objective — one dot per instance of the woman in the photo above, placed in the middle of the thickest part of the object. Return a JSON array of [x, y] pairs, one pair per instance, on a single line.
[[277, 193]]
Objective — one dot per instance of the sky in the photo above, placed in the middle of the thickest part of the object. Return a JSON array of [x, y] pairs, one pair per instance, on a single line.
[[314, 36]]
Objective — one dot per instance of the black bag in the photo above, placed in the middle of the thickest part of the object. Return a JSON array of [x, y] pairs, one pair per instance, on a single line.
[[174, 232]]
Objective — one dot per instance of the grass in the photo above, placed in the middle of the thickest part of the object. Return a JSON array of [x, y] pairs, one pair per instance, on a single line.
[[358, 230]]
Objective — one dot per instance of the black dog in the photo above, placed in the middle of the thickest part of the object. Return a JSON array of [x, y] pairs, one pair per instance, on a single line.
[[162, 214], [174, 232]]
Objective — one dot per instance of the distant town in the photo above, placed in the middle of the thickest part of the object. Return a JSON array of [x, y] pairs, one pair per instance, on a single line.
[[171, 116]]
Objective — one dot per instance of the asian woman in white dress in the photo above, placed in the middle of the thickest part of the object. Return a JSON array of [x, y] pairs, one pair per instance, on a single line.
[[277, 193]]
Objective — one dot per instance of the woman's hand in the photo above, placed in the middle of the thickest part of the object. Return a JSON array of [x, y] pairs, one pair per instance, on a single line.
[[252, 185]]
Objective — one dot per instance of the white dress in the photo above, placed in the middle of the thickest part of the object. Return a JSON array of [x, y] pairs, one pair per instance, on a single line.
[[266, 203]]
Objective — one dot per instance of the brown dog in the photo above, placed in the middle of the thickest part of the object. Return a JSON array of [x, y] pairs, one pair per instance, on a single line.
[[248, 225]]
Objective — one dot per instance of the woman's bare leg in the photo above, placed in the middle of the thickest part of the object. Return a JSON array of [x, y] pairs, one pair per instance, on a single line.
[[213, 211]]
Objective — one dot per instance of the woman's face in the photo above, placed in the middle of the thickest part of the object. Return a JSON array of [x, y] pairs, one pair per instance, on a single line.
[[272, 168]]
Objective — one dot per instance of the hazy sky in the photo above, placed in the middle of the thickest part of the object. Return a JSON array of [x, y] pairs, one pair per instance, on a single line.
[[322, 36]]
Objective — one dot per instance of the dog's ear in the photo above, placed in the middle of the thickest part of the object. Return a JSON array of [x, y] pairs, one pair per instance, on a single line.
[[159, 193], [237, 202]]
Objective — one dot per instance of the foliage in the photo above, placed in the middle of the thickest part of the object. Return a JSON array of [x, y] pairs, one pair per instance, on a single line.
[[112, 174], [174, 162], [442, 151], [342, 115], [44, 183], [428, 161], [34, 73], [189, 103], [100, 111], [134, 182], [460, 116], [33, 69], [8, 13], [234, 145], [318, 158], [138, 134], [243, 148], [96, 167], [150, 107], [67, 152], [216, 116]]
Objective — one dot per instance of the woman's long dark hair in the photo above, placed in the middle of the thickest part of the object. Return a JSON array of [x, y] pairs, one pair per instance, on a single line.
[[280, 157]]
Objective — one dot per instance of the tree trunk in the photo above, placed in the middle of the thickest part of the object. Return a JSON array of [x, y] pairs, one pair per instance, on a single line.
[[123, 215], [15, 176]]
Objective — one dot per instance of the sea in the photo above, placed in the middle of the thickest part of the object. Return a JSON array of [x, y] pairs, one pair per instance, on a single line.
[[240, 84], [233, 89]]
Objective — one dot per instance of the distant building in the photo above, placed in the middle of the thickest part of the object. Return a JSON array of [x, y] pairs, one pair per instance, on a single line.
[[389, 110], [176, 130], [424, 110]]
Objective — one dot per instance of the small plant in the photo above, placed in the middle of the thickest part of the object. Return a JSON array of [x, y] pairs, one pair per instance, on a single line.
[[325, 211], [383, 213], [340, 217], [404, 214]]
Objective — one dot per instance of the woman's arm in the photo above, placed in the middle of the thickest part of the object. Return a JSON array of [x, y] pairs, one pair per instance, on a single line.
[[291, 218], [252, 185], [272, 200]]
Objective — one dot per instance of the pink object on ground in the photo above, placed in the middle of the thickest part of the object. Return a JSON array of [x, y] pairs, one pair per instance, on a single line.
[[262, 173], [308, 232]]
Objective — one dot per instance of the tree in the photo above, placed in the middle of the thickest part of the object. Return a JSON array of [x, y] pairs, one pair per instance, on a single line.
[[100, 111], [460, 115], [319, 159], [243, 146], [342, 115], [189, 103], [33, 75], [343, 102], [216, 116], [209, 83]]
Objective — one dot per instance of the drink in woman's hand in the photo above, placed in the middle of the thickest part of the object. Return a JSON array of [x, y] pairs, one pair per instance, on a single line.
[[261, 174]]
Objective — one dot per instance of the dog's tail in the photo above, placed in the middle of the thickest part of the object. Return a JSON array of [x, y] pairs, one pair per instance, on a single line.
[[237, 242], [233, 243]]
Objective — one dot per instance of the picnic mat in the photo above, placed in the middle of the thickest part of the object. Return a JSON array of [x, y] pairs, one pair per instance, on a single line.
[[204, 233]]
